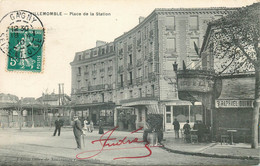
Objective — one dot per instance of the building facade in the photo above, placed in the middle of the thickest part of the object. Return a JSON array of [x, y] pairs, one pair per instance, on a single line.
[[143, 77], [145, 56], [93, 83]]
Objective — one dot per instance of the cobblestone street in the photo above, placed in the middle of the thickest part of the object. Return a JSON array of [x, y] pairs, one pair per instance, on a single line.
[[38, 146]]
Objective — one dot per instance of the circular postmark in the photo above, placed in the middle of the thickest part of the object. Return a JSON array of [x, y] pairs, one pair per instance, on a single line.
[[21, 34]]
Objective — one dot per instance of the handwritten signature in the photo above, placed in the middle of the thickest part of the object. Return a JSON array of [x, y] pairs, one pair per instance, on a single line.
[[104, 142]]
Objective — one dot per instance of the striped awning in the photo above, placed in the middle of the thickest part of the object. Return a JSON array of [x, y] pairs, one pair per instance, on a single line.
[[153, 109]]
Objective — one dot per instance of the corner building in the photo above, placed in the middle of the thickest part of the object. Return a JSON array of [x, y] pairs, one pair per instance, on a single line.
[[145, 56], [143, 80]]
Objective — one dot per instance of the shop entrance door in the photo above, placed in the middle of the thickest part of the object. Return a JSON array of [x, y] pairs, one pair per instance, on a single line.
[[94, 118]]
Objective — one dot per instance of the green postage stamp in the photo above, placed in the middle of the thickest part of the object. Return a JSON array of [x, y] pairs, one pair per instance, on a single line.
[[25, 49], [22, 39]]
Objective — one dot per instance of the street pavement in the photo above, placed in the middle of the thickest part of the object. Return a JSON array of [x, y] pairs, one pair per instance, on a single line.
[[37, 146], [216, 149]]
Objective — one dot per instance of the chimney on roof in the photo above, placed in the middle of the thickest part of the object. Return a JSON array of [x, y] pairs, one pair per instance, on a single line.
[[100, 43], [141, 19]]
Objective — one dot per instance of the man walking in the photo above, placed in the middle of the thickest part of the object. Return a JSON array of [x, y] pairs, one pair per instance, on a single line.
[[58, 124], [77, 130], [176, 125]]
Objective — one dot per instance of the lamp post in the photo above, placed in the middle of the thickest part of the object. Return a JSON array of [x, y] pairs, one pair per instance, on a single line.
[[32, 118]]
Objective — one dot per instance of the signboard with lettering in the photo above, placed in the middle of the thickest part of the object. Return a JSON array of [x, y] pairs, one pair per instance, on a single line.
[[143, 102], [234, 103]]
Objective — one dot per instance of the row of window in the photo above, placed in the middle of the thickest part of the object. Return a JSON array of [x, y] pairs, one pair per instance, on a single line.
[[193, 22], [94, 81], [95, 52], [94, 66], [140, 93], [139, 74]]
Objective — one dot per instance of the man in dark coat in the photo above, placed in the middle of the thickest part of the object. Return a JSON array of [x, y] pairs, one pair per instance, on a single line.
[[176, 125], [77, 130], [58, 124], [186, 129]]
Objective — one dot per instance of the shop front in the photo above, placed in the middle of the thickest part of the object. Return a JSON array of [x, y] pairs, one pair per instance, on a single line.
[[182, 111], [137, 111], [96, 112], [236, 116]]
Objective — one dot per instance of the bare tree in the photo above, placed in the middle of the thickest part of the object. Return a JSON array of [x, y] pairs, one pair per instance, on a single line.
[[235, 46]]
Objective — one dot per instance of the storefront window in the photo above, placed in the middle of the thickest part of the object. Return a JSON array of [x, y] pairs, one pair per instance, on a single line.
[[168, 118], [181, 113], [107, 116], [168, 108], [196, 112]]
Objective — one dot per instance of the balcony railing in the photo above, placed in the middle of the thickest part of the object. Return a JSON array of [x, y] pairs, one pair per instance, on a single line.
[[151, 77], [170, 27], [129, 48], [139, 99], [139, 80], [151, 35], [150, 58], [110, 68], [192, 84], [139, 62], [130, 82], [96, 87], [94, 72], [129, 66], [120, 69], [108, 86], [120, 52], [138, 44]]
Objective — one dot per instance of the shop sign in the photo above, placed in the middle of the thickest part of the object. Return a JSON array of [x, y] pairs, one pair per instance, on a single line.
[[140, 103], [234, 103], [195, 84]]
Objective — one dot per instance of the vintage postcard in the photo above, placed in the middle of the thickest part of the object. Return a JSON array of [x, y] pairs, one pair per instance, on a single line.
[[127, 82]]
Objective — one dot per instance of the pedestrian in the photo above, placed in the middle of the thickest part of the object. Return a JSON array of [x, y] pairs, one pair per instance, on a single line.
[[101, 130], [186, 129], [88, 125], [77, 130], [58, 124], [91, 126], [176, 125], [85, 126]]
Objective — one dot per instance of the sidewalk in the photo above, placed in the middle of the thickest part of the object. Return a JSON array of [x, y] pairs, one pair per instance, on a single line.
[[235, 151]]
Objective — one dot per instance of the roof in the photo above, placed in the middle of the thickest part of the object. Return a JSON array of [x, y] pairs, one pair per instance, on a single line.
[[178, 11], [8, 98], [238, 87], [52, 97], [227, 19]]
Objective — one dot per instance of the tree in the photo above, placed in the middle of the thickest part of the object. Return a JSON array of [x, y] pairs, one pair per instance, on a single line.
[[235, 46]]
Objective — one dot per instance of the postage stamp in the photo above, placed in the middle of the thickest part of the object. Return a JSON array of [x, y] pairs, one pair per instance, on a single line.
[[21, 39], [25, 52]]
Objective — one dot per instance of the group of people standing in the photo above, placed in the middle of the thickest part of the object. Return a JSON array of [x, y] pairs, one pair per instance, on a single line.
[[186, 129], [78, 130], [199, 127]]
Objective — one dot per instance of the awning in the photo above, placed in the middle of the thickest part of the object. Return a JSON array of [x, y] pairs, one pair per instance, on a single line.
[[109, 105], [153, 109]]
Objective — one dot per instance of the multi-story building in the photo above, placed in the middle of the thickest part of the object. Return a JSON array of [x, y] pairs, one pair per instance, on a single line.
[[145, 56], [143, 67], [93, 83]]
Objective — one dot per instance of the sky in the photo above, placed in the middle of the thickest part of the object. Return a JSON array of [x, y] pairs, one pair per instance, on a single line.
[[65, 35]]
